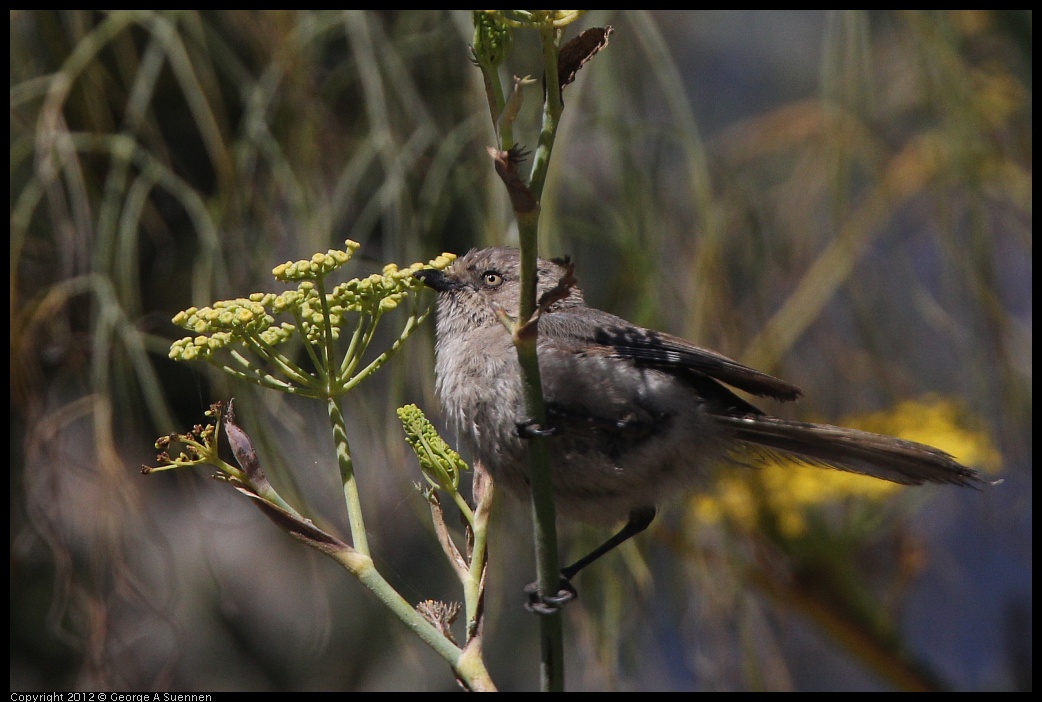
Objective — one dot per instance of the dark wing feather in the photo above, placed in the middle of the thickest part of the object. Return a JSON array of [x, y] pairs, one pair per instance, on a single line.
[[595, 331], [670, 352]]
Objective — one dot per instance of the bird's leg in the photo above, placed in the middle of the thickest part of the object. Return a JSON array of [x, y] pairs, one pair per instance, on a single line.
[[639, 520]]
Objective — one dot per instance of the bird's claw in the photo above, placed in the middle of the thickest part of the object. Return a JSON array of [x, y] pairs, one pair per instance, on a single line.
[[549, 604], [530, 428]]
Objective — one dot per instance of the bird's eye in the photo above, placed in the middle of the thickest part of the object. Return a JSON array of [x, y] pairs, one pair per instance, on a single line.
[[491, 279]]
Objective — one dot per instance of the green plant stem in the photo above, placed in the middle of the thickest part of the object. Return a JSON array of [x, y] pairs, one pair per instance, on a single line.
[[347, 475], [472, 590], [257, 376], [359, 344], [463, 507], [525, 340], [471, 672], [494, 87], [552, 109], [472, 587], [470, 669], [306, 343], [352, 353], [280, 361], [326, 368], [411, 324], [269, 494], [544, 517]]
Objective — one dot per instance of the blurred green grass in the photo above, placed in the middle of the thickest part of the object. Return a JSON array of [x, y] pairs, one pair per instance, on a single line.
[[843, 199]]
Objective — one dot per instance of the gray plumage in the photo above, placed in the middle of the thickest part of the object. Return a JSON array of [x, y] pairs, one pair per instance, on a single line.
[[638, 416]]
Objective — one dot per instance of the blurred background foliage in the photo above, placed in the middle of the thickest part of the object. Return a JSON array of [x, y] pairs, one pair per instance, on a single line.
[[843, 199]]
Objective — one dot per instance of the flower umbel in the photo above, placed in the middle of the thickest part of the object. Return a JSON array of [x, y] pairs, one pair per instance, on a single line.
[[240, 336]]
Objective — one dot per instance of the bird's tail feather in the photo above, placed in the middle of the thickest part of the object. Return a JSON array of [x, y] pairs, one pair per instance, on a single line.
[[852, 450]]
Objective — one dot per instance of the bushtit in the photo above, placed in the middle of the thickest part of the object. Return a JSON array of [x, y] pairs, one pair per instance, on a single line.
[[635, 417]]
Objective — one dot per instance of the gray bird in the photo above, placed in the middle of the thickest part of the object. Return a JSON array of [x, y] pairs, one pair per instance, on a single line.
[[636, 417]]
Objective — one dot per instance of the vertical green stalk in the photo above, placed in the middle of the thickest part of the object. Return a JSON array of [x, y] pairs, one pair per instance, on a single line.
[[472, 588], [544, 516], [347, 475], [504, 128], [552, 109], [525, 199], [327, 367], [543, 512]]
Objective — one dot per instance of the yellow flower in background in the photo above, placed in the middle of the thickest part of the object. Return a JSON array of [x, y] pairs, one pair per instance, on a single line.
[[939, 422], [785, 489]]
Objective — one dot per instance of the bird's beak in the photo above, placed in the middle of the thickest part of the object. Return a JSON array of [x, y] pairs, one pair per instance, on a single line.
[[436, 280]]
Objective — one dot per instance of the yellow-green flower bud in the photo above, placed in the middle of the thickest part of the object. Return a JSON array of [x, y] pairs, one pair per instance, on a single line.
[[439, 463], [492, 38]]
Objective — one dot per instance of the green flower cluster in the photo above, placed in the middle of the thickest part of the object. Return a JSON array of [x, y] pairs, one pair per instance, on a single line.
[[381, 292], [440, 464], [228, 321], [492, 38], [533, 19], [251, 320], [246, 329], [319, 265]]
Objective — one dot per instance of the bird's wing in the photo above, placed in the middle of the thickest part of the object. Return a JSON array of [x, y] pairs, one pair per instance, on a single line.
[[605, 333]]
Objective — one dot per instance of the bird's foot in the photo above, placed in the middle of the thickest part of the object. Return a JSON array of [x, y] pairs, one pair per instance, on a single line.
[[530, 428], [549, 604]]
